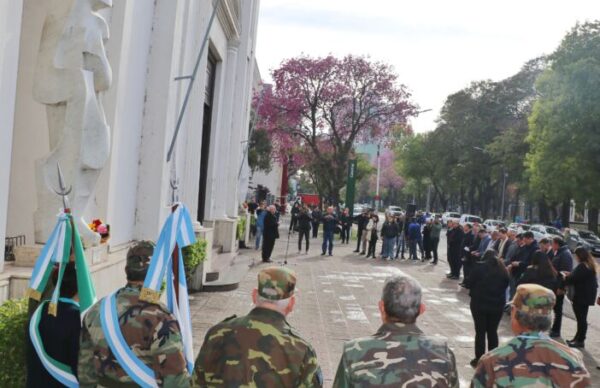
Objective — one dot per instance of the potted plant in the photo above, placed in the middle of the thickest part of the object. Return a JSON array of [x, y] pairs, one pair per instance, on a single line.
[[193, 258]]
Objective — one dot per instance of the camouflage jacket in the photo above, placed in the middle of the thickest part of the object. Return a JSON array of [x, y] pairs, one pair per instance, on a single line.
[[397, 355], [531, 360], [260, 349], [150, 330]]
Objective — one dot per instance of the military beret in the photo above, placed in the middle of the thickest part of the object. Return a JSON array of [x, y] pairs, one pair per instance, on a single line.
[[138, 256], [534, 299], [276, 283]]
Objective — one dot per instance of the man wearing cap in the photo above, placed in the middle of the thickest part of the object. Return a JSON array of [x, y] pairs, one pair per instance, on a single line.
[[532, 358], [149, 329], [399, 354], [260, 349]]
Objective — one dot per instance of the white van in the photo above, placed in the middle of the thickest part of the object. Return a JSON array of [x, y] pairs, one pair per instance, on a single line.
[[469, 219]]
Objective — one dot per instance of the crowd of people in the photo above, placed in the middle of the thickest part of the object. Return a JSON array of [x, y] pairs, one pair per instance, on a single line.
[[502, 270], [495, 264]]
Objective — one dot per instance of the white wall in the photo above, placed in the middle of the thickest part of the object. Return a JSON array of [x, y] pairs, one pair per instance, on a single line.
[[30, 136], [10, 31]]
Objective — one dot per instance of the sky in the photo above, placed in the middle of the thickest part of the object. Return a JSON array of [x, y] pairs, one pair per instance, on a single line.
[[436, 47]]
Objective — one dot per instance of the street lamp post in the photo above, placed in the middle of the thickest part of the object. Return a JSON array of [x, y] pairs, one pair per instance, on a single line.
[[504, 176], [378, 175]]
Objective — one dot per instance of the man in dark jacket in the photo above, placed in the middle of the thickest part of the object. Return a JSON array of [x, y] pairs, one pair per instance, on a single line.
[[304, 221], [363, 221], [389, 232], [59, 334], [562, 261], [401, 238], [330, 221], [469, 241], [294, 221], [346, 223], [316, 220], [454, 237], [270, 234], [522, 260]]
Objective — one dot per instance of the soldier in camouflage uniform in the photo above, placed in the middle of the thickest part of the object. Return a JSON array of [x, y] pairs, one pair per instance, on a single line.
[[149, 329], [532, 359], [398, 354], [260, 349]]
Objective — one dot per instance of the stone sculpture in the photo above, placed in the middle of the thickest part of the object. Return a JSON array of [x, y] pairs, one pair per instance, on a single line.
[[72, 70]]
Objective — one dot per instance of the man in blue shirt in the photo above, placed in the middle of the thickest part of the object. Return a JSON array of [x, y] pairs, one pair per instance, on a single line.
[[414, 238]]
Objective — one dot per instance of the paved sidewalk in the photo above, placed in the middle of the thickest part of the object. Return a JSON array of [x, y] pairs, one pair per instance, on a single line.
[[337, 300]]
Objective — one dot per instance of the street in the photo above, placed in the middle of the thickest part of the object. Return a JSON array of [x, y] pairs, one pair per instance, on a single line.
[[337, 300]]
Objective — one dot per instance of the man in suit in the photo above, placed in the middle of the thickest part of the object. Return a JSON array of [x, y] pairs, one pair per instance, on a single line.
[[470, 245], [484, 244], [455, 236], [270, 234], [504, 244]]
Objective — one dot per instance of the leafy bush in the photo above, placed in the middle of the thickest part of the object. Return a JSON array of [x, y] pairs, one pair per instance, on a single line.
[[241, 228], [193, 255], [13, 343]]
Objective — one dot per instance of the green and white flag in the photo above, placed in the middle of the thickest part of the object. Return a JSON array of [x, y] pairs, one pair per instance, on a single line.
[[57, 251]]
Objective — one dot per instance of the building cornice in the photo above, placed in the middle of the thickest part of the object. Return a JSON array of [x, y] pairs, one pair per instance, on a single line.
[[229, 17]]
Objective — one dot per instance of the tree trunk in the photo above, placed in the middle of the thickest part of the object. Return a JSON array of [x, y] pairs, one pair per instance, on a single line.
[[543, 209], [593, 219], [515, 208], [565, 212]]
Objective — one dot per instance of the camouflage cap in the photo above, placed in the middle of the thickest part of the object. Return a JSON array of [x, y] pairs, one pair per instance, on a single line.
[[138, 256], [276, 283], [534, 299]]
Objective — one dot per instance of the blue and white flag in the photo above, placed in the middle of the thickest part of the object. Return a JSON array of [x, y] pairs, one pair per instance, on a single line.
[[177, 231]]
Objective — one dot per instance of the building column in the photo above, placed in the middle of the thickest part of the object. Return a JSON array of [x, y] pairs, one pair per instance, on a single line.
[[224, 147], [10, 33], [160, 112]]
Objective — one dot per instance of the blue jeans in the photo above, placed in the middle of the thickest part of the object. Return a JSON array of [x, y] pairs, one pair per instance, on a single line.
[[259, 233], [388, 247], [400, 242], [328, 241], [412, 245]]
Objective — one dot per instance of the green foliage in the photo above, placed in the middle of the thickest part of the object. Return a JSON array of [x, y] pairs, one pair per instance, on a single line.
[[193, 255], [259, 151], [364, 168], [564, 161], [13, 342], [241, 228]]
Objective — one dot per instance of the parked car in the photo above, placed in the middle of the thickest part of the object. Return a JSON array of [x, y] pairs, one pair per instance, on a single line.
[[544, 231], [469, 219], [574, 241], [518, 228], [591, 239], [493, 225], [394, 211], [450, 216]]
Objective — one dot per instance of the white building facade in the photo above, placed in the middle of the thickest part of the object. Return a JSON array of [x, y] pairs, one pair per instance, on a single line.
[[151, 44]]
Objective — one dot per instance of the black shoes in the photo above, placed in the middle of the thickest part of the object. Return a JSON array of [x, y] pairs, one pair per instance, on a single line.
[[474, 362], [576, 344], [267, 261], [355, 251]]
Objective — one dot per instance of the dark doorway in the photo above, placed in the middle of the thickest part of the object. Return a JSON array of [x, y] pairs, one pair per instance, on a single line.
[[211, 70]]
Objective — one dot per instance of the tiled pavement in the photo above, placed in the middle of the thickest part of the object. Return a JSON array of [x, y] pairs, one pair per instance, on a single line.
[[337, 300]]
